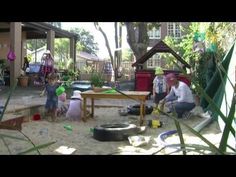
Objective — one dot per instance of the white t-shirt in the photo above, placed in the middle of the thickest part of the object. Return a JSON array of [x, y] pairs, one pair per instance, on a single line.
[[159, 84], [74, 110], [183, 93]]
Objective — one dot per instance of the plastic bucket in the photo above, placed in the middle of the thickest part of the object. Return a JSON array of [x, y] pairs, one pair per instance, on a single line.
[[60, 90], [36, 116]]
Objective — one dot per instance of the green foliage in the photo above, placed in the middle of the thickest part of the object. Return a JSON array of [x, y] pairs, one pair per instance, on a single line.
[[213, 35], [97, 79], [127, 55], [88, 69], [65, 65], [85, 41], [29, 57], [34, 44], [2, 63], [175, 45], [62, 49], [69, 74]]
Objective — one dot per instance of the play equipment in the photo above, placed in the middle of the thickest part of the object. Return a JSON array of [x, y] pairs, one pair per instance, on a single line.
[[114, 132], [13, 123], [161, 137], [36, 116], [60, 90], [135, 109], [68, 127], [154, 123]]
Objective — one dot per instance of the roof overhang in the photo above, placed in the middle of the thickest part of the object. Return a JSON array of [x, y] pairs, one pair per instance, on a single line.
[[38, 30], [160, 47]]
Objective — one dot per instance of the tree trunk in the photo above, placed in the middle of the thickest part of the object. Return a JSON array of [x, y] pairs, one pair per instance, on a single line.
[[116, 51], [120, 45], [137, 38]]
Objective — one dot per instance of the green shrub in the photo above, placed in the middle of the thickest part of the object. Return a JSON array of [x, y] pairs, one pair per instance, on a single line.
[[97, 79]]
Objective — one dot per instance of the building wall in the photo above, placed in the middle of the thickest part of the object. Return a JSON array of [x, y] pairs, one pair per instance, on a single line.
[[163, 35]]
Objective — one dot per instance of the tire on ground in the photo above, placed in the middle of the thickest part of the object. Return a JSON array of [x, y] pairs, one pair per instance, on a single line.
[[114, 132]]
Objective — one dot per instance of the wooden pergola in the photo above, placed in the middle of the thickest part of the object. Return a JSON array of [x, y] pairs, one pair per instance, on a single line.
[[33, 30]]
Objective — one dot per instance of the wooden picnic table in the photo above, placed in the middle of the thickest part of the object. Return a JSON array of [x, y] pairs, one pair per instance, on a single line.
[[140, 96]]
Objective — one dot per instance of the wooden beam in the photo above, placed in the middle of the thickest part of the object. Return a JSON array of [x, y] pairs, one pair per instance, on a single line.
[[50, 41], [15, 46]]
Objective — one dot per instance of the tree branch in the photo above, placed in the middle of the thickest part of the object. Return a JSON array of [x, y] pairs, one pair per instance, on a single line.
[[106, 41]]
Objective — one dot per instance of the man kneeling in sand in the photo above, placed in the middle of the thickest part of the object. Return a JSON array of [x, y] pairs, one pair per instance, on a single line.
[[75, 107]]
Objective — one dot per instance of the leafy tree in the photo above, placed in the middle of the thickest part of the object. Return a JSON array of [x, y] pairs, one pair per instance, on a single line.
[[62, 49], [34, 44], [98, 27], [220, 34], [116, 59], [137, 36], [127, 55], [85, 41]]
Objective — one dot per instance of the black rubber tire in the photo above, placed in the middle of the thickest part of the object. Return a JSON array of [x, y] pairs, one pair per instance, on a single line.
[[135, 109], [114, 132]]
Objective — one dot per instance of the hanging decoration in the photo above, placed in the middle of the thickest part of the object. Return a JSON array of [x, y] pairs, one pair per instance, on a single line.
[[205, 42], [11, 55], [212, 42], [199, 42]]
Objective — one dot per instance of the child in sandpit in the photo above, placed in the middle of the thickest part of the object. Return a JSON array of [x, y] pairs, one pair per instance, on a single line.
[[159, 85], [75, 107], [52, 99], [62, 106]]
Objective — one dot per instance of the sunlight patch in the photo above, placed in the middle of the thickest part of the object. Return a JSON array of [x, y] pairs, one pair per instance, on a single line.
[[65, 150]]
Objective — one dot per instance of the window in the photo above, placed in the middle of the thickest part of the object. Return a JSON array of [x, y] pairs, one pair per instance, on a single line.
[[155, 33], [154, 61], [173, 29]]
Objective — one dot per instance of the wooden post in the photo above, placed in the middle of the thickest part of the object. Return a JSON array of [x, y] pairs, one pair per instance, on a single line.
[[15, 46], [50, 41]]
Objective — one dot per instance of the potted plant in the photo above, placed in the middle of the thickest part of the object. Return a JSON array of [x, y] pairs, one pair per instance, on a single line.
[[23, 79], [97, 81]]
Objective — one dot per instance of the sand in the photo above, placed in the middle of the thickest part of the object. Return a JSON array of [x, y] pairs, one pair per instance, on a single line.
[[81, 139]]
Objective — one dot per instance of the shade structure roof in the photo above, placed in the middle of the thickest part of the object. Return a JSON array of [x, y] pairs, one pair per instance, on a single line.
[[160, 47]]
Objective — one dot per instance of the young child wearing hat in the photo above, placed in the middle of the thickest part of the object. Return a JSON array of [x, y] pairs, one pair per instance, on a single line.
[[62, 106], [75, 106], [47, 65], [159, 85]]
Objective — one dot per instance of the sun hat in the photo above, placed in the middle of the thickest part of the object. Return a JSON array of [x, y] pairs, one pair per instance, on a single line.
[[170, 77], [47, 52], [76, 94], [158, 70]]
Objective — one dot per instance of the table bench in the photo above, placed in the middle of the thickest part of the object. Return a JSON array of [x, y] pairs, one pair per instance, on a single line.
[[140, 96]]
